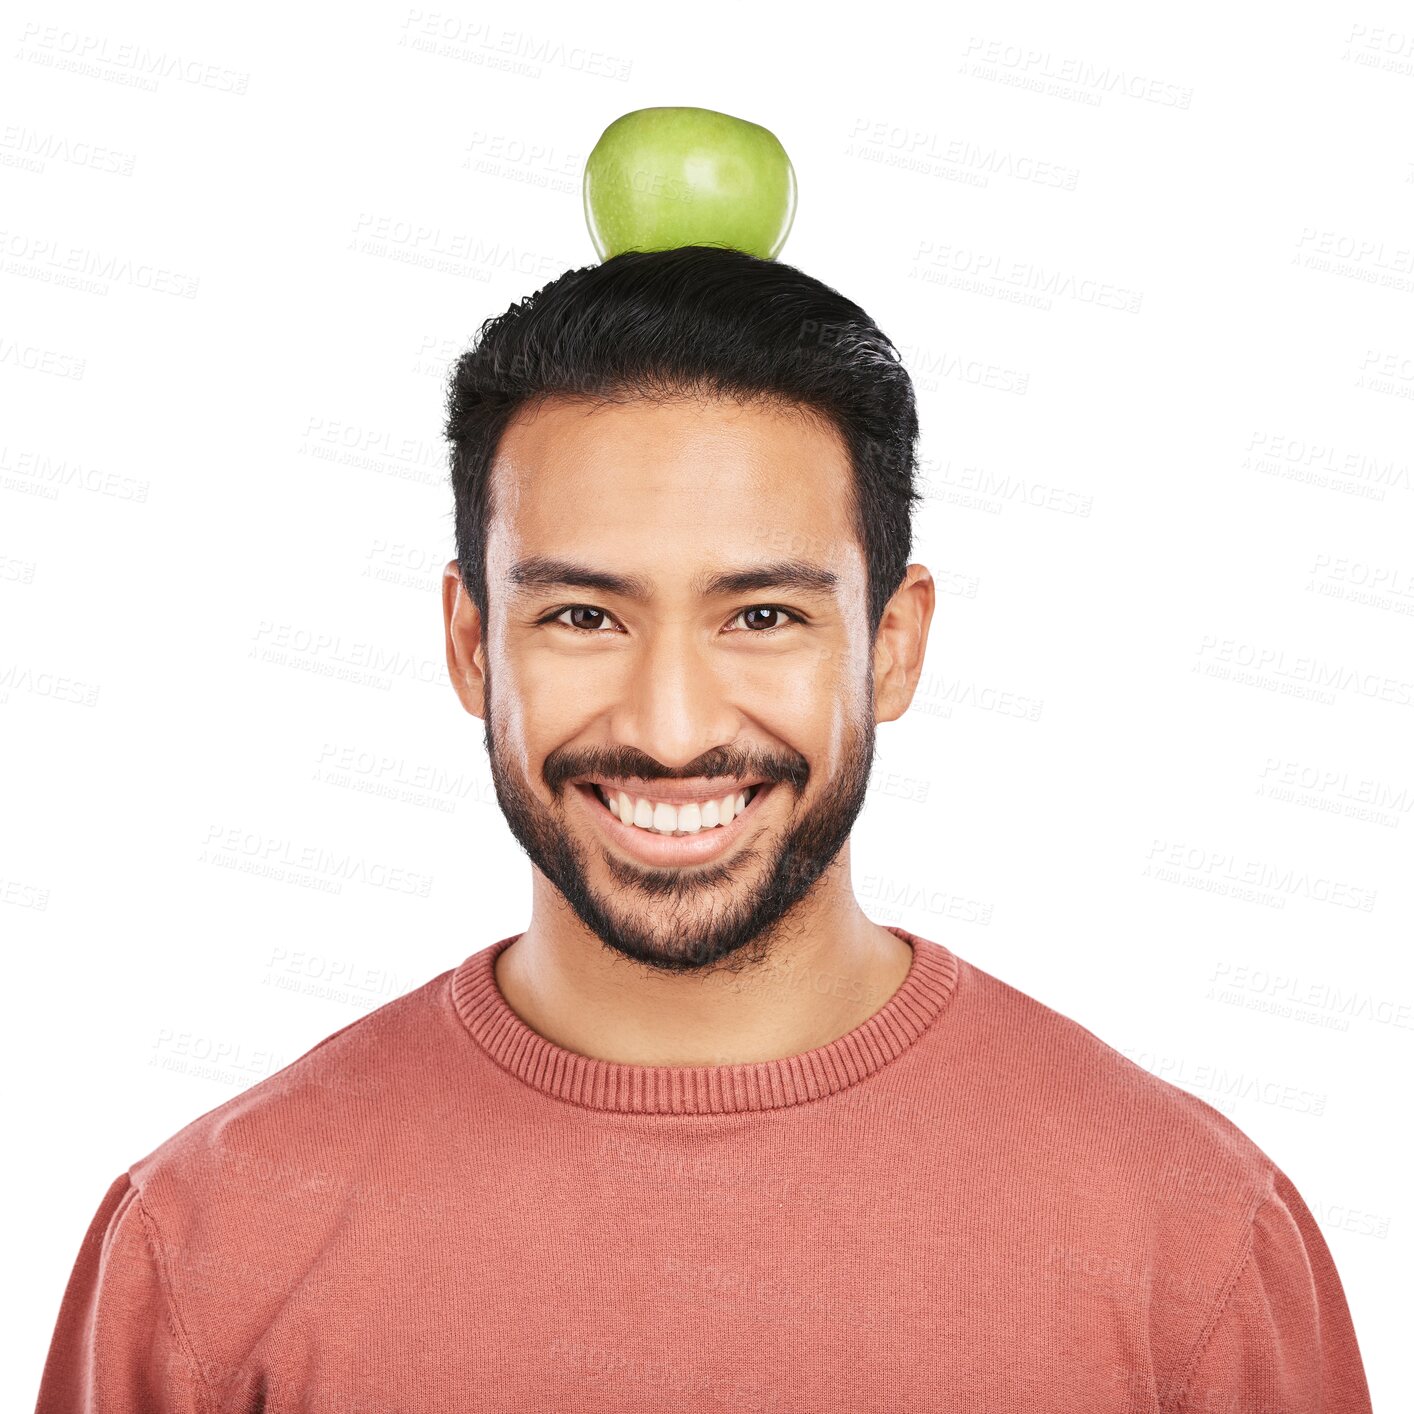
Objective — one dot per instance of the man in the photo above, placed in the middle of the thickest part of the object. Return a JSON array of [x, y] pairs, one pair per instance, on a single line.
[[703, 1136]]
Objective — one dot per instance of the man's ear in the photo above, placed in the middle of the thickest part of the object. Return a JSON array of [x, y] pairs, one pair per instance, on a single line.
[[465, 651], [900, 643]]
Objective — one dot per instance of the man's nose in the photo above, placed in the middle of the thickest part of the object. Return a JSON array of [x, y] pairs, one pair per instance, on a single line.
[[676, 702]]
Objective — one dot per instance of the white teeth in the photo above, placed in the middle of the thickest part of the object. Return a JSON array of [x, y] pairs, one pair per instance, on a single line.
[[664, 819]]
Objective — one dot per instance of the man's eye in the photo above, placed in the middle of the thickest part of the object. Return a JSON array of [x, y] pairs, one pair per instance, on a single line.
[[759, 628], [559, 616], [589, 621]]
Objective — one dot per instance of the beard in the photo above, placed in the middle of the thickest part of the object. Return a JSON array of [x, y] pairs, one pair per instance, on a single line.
[[723, 916]]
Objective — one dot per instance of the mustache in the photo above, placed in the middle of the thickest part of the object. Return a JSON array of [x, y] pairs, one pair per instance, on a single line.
[[561, 768]]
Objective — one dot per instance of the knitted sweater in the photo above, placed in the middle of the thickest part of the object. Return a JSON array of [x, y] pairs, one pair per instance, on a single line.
[[968, 1202]]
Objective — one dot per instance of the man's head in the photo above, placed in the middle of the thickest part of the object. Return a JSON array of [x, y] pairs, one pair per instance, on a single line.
[[684, 485]]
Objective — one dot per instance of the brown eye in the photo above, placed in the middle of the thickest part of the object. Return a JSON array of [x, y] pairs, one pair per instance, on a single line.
[[758, 627], [574, 609]]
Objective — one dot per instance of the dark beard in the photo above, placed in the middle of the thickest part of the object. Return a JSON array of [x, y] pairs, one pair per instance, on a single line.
[[737, 937]]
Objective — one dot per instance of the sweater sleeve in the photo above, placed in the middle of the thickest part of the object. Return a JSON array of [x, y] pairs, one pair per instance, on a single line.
[[118, 1346], [1282, 1340]]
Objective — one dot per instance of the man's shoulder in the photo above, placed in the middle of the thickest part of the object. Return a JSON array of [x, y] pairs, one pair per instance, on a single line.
[[330, 1102], [1098, 1111], [243, 1202]]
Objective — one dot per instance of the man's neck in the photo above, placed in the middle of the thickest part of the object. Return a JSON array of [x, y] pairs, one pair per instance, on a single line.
[[820, 980]]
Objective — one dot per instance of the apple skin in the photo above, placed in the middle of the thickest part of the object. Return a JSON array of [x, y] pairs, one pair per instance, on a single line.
[[659, 178]]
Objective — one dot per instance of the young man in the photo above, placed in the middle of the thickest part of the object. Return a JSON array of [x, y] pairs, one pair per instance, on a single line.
[[703, 1136]]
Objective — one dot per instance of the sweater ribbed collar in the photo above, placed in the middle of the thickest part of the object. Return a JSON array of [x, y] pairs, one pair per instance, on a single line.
[[703, 1089]]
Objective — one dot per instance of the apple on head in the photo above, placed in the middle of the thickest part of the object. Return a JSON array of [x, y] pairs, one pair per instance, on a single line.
[[659, 178]]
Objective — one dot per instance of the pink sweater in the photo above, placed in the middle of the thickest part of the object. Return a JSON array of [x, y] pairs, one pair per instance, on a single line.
[[969, 1202]]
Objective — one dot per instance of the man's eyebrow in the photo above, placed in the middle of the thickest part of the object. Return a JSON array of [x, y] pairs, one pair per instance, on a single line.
[[797, 576]]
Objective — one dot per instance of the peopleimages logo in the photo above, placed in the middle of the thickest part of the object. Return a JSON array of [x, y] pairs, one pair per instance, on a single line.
[[135, 65], [1067, 76], [55, 262], [254, 852]]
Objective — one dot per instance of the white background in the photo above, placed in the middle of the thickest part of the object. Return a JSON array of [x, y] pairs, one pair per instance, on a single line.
[[1154, 277]]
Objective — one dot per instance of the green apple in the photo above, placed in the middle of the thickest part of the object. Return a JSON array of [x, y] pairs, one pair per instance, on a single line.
[[665, 177]]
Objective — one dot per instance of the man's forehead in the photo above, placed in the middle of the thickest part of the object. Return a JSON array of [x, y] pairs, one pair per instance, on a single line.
[[567, 429], [573, 478]]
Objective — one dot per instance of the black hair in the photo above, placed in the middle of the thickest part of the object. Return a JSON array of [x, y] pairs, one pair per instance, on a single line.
[[690, 322]]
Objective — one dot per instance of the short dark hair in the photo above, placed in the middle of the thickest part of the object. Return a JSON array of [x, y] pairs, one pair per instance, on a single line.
[[690, 322]]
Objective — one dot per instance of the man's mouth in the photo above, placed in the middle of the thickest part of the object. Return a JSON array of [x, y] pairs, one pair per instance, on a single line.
[[679, 818]]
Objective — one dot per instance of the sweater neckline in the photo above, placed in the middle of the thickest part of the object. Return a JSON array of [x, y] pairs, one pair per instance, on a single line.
[[703, 1089]]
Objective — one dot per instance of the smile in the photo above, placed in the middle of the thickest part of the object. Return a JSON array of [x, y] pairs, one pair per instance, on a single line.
[[662, 833], [687, 818]]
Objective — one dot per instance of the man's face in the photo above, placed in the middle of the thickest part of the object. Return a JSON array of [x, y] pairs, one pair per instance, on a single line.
[[665, 691]]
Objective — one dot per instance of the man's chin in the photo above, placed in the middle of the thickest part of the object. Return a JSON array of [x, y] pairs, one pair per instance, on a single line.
[[676, 950]]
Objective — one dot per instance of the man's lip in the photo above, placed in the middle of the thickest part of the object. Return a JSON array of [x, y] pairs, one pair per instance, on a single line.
[[673, 851], [673, 792]]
